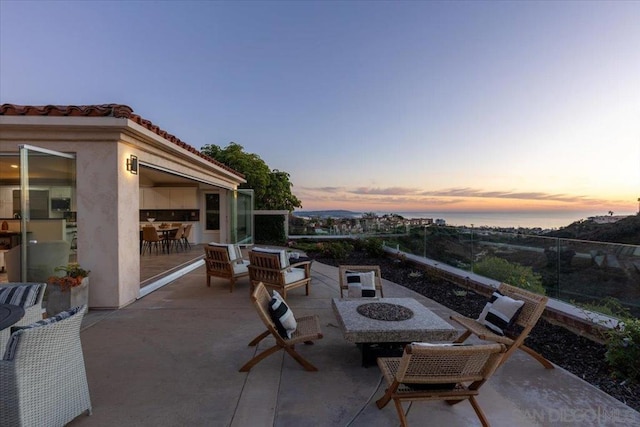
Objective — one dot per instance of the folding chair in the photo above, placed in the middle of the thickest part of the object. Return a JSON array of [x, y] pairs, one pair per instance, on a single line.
[[439, 372], [344, 269], [308, 330], [531, 311]]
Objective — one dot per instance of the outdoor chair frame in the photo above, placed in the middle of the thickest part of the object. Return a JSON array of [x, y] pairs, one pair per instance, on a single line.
[[31, 314], [45, 384], [534, 305], [218, 264], [307, 331], [449, 373], [343, 269], [265, 268]]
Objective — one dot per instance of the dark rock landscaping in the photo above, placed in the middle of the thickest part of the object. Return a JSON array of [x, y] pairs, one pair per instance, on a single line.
[[577, 354]]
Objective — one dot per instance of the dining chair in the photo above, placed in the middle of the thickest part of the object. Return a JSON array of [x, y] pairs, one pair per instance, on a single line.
[[175, 239], [185, 236], [151, 238]]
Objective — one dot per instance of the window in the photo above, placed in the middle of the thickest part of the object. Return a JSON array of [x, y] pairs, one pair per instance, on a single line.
[[212, 211]]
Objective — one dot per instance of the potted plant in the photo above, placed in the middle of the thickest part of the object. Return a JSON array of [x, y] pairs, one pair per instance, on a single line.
[[68, 290]]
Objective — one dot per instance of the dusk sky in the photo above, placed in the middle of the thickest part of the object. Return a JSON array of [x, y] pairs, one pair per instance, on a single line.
[[369, 106]]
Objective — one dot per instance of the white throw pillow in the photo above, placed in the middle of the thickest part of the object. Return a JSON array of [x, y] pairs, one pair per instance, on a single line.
[[361, 284], [282, 316], [500, 313]]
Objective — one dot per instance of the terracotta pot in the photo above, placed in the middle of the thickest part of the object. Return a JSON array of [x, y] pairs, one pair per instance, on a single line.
[[58, 300]]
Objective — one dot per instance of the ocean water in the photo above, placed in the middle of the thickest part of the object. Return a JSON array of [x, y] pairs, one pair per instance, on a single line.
[[527, 219]]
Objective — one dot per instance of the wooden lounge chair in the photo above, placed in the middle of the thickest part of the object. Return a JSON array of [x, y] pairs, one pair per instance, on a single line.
[[271, 270], [449, 373], [219, 264], [343, 269], [307, 331], [534, 305]]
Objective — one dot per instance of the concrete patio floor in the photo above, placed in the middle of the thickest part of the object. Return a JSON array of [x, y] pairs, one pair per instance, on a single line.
[[172, 359]]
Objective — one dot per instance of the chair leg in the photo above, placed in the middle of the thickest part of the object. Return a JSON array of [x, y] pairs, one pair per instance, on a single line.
[[208, 281], [259, 338], [540, 358], [257, 358], [479, 413], [401, 414], [301, 360], [382, 402]]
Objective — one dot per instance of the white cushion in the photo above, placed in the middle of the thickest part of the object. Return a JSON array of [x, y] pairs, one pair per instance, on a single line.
[[294, 275], [234, 251], [240, 267], [361, 284], [282, 316], [282, 255], [500, 313]]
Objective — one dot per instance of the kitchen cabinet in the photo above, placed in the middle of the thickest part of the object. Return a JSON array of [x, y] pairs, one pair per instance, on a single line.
[[183, 198], [168, 198]]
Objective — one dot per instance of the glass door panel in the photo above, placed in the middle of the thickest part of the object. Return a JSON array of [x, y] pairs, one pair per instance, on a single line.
[[43, 203], [244, 217]]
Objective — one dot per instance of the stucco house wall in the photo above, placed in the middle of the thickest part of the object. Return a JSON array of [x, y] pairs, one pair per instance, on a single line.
[[107, 194]]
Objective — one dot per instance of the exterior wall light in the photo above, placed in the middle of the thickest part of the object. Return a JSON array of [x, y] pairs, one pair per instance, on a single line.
[[132, 164]]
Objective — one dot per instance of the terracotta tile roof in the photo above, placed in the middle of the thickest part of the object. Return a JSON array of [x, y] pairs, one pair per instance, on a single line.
[[105, 110]]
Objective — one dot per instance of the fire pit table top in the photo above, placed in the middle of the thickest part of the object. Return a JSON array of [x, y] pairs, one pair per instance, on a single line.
[[422, 325]]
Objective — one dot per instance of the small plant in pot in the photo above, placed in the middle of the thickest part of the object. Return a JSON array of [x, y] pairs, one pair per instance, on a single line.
[[69, 290], [73, 276]]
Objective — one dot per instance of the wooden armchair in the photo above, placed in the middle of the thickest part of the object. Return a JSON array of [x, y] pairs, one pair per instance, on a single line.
[[307, 330], [271, 270], [534, 305], [220, 264], [439, 372], [344, 269]]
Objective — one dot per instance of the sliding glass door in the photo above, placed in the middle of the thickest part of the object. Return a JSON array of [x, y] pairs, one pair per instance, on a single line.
[[44, 203]]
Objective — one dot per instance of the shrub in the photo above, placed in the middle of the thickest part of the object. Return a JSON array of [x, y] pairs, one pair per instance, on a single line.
[[373, 247], [335, 250], [623, 349], [510, 273]]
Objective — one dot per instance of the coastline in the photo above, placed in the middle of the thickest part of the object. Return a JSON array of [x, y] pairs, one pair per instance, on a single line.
[[519, 219]]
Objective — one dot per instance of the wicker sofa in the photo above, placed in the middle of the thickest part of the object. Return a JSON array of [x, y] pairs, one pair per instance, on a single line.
[[28, 296], [33, 393]]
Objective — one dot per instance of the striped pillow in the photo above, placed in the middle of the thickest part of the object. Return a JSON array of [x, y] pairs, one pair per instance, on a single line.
[[282, 316], [500, 313], [361, 284], [22, 295]]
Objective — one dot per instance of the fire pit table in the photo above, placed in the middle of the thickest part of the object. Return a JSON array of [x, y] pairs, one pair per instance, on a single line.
[[383, 326]]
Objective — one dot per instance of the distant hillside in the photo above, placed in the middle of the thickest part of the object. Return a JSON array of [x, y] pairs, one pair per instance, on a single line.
[[626, 231], [327, 214]]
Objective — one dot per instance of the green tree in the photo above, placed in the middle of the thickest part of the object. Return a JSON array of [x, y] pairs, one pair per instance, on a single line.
[[271, 188]]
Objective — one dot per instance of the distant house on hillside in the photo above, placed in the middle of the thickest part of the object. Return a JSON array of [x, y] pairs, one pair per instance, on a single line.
[[606, 219]]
